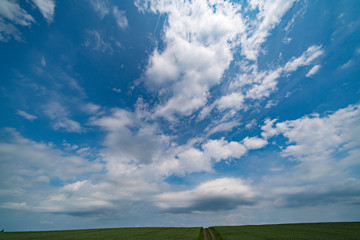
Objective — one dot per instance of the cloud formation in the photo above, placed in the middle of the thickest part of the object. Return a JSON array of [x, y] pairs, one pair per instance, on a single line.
[[26, 115], [47, 9], [211, 196], [12, 14]]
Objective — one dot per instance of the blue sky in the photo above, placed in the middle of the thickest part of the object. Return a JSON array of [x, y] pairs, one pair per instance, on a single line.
[[178, 113]]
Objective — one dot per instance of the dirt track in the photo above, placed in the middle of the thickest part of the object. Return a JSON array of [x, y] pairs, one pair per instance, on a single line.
[[211, 233]]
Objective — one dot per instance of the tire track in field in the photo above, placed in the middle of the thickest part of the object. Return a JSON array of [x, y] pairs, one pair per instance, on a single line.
[[205, 235], [211, 234]]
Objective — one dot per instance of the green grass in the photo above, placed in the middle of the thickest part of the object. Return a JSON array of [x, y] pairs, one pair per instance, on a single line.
[[306, 231], [114, 233]]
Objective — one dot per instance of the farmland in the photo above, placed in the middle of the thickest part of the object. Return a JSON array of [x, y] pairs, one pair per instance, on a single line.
[[311, 231], [114, 233], [305, 231]]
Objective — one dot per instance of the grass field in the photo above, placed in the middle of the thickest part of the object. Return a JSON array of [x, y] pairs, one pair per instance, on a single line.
[[114, 233], [308, 231], [311, 231]]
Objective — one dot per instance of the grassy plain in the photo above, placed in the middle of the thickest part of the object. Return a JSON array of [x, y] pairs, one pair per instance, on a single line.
[[113, 233], [306, 231]]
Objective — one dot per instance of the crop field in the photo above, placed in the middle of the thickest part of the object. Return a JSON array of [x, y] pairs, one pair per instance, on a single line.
[[311, 231], [114, 233]]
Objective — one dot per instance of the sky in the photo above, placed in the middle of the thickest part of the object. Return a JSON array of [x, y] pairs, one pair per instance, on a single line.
[[178, 113]]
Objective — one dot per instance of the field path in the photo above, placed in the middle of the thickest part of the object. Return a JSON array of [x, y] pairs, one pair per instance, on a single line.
[[211, 233], [205, 235]]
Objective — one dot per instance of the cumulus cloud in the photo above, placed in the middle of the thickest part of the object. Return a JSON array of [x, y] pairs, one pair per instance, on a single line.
[[343, 192], [198, 50], [47, 9], [126, 135], [216, 195], [222, 149], [27, 162], [315, 141], [199, 40]]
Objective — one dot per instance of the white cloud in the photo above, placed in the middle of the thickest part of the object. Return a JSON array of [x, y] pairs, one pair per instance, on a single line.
[[198, 50], [9, 30], [267, 85], [315, 141], [26, 161], [348, 64], [313, 70], [271, 103], [120, 18], [251, 124], [357, 51], [67, 124], [270, 14], [222, 127], [101, 7], [13, 12], [96, 42], [305, 59], [91, 108], [43, 61], [233, 101], [258, 85], [254, 143], [222, 149], [126, 135], [117, 90], [26, 115], [47, 9], [60, 118], [199, 38], [211, 196], [194, 160]]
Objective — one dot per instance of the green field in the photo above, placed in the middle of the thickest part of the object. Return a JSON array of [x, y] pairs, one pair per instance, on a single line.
[[311, 231], [114, 233], [306, 231]]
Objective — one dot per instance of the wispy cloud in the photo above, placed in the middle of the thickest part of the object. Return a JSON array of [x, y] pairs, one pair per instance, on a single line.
[[26, 115], [13, 12], [60, 118], [313, 70], [313, 140], [101, 7], [270, 14], [120, 18], [96, 42], [47, 9]]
